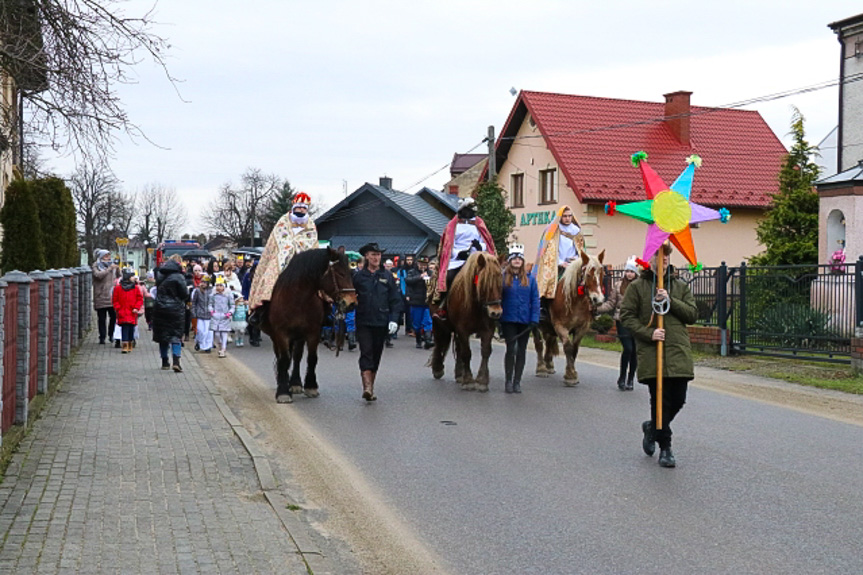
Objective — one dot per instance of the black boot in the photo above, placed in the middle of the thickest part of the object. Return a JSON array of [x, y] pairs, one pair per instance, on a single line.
[[516, 385], [165, 364], [629, 380], [419, 338], [666, 458], [648, 443], [508, 385], [352, 340], [621, 381], [429, 340], [176, 366]]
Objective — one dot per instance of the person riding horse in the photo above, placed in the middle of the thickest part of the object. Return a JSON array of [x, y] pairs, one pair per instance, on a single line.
[[294, 232], [465, 233], [561, 243]]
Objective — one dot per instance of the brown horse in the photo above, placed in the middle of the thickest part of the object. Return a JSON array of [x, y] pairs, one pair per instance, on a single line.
[[296, 312], [579, 291], [473, 306]]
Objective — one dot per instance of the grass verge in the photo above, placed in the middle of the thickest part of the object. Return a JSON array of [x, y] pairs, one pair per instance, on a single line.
[[811, 373]]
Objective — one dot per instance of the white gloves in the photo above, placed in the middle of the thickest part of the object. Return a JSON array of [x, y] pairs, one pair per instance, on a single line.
[[394, 327]]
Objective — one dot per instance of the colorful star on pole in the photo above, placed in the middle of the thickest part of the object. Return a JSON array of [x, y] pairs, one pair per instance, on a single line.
[[668, 210]]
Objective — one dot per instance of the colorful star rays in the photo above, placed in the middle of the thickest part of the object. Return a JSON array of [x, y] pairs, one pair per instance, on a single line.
[[668, 210]]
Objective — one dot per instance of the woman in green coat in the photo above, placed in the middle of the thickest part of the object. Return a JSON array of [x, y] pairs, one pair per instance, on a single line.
[[637, 316]]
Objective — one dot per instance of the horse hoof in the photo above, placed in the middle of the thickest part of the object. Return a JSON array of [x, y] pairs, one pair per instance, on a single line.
[[468, 387], [541, 373], [296, 389], [550, 371], [284, 399], [311, 392], [570, 382], [482, 387], [437, 374]]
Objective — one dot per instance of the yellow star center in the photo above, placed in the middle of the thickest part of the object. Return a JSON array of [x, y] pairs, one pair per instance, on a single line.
[[671, 211]]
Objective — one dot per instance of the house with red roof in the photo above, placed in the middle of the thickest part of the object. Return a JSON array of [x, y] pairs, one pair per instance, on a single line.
[[559, 149]]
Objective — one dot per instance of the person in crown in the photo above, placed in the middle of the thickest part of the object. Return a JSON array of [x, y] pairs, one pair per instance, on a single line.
[[561, 243], [465, 234], [294, 232]]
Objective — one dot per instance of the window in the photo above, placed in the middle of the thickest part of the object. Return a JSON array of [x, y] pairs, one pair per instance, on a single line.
[[547, 188], [516, 199], [453, 190]]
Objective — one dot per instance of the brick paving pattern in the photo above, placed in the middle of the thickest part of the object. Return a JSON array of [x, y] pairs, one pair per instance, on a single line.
[[132, 469]]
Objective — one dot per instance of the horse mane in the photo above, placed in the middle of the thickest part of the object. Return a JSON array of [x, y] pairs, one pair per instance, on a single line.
[[462, 285], [308, 265], [573, 275]]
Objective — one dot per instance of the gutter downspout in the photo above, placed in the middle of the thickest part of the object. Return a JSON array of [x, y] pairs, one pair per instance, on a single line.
[[841, 99]]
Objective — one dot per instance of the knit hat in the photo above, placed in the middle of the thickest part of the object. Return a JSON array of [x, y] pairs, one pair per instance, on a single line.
[[515, 251], [100, 253], [630, 265]]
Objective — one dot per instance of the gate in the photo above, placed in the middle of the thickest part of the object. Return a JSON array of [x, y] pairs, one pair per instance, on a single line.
[[10, 355]]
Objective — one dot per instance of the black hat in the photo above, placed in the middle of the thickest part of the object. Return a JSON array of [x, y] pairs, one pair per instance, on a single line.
[[370, 247], [423, 260]]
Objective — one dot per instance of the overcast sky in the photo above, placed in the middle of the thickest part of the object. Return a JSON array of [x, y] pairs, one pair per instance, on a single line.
[[326, 92]]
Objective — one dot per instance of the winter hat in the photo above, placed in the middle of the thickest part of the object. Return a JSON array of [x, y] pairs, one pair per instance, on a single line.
[[220, 281], [515, 251], [100, 253], [630, 265], [128, 274]]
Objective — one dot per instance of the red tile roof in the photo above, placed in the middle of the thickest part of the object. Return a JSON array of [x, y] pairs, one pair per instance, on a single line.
[[593, 139]]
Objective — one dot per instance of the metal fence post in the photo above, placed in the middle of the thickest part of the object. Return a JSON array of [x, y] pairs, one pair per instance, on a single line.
[[742, 320], [721, 292], [22, 367], [858, 291], [42, 279]]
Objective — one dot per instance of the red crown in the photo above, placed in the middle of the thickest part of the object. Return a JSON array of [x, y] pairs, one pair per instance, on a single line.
[[302, 198]]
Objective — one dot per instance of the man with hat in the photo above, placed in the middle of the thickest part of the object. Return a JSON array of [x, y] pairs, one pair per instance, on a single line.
[[416, 284], [464, 234], [294, 232], [379, 304]]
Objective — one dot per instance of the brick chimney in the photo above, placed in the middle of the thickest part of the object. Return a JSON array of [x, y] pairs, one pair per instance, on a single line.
[[677, 115]]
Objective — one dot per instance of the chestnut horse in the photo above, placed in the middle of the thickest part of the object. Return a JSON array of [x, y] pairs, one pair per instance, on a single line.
[[473, 306], [295, 314], [579, 291]]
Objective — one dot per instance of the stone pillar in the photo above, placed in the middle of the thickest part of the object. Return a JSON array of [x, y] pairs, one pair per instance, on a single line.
[[66, 305], [2, 345], [76, 306], [86, 301], [22, 367], [43, 326], [56, 320]]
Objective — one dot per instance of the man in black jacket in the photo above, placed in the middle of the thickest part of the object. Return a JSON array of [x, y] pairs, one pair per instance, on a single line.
[[417, 282], [379, 303]]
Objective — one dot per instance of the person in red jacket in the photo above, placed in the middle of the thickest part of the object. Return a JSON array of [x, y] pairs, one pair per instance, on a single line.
[[128, 301]]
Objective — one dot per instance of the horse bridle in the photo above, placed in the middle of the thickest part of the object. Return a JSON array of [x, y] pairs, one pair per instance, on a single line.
[[331, 272], [485, 304]]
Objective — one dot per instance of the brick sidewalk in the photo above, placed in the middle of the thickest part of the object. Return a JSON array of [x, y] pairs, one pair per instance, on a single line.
[[131, 469]]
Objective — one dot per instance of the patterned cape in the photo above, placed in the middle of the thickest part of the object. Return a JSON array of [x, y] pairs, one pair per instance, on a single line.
[[545, 268], [282, 244]]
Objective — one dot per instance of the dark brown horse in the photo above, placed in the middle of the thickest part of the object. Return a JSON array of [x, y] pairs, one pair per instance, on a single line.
[[578, 292], [473, 306], [296, 312]]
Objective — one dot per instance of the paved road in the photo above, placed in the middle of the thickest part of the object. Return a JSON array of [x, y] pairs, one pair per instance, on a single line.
[[554, 480]]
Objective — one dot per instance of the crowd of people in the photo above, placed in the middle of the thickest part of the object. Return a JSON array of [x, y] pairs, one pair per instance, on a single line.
[[230, 299]]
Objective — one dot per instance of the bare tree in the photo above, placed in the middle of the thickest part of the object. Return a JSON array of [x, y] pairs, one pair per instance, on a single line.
[[161, 215], [104, 211], [236, 210], [67, 57]]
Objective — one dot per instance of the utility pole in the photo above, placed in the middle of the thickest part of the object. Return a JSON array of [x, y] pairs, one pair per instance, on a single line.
[[492, 166]]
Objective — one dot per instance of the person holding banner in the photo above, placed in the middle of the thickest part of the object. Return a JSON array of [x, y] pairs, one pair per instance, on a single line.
[[648, 300]]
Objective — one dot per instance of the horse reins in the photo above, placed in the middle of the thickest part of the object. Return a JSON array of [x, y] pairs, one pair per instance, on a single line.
[[331, 272]]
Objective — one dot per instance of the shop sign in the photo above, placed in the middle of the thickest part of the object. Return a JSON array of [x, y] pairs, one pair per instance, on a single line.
[[537, 218]]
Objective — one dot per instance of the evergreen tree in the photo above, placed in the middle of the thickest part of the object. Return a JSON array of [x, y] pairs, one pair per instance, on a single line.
[[57, 221], [277, 206], [491, 207], [789, 230], [22, 233]]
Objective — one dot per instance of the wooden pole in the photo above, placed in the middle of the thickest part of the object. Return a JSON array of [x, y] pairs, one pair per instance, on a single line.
[[660, 324]]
